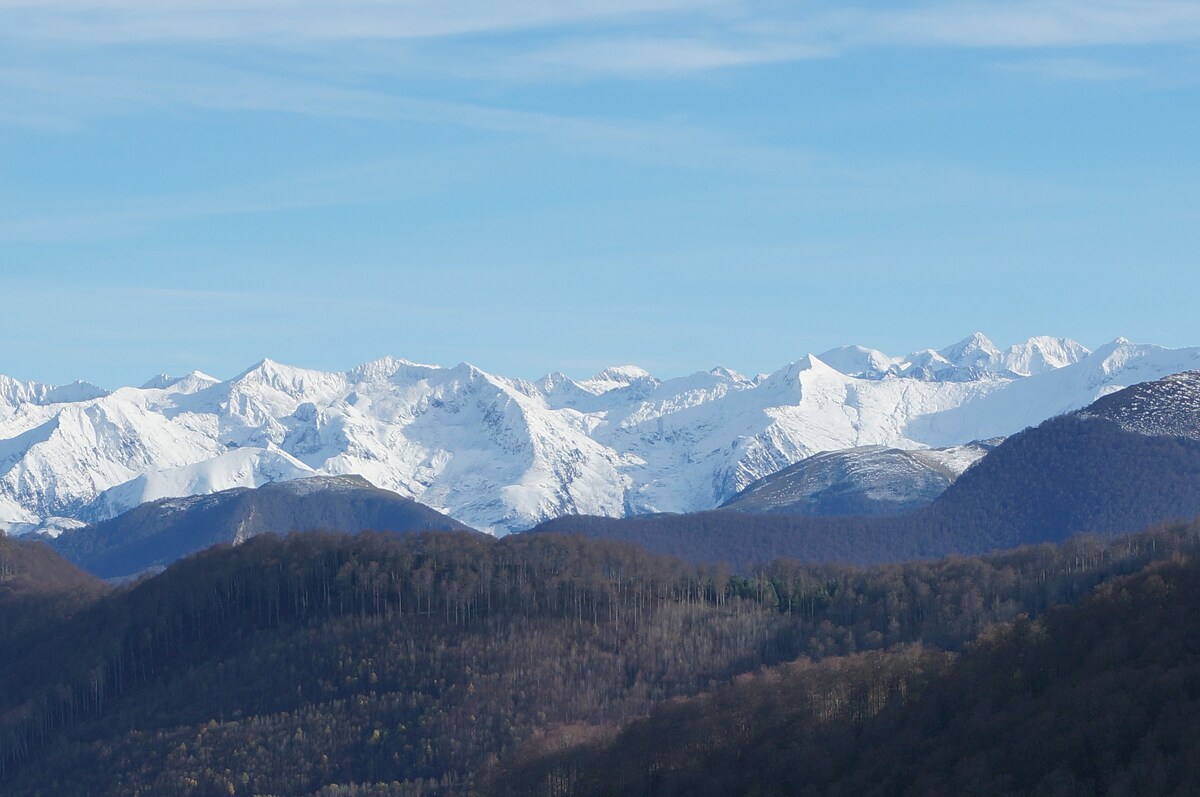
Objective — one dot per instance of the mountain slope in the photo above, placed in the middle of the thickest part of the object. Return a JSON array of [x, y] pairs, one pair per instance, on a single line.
[[1072, 474], [318, 659], [502, 454], [157, 533], [1168, 407], [1094, 699], [239, 467], [873, 480], [38, 587]]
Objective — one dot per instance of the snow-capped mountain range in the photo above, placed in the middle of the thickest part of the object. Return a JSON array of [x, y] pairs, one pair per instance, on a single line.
[[503, 454]]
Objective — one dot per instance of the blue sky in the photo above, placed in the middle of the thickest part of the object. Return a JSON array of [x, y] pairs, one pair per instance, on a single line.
[[535, 186]]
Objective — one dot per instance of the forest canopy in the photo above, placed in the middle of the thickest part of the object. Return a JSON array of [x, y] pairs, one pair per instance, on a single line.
[[317, 662]]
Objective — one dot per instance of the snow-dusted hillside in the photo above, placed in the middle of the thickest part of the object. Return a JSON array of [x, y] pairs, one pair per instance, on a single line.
[[157, 533], [1167, 407], [502, 454], [871, 480]]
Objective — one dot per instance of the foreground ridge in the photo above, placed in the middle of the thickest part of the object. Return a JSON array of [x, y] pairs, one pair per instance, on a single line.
[[321, 664]]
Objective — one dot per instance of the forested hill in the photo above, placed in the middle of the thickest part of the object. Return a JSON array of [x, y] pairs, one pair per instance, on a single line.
[[1071, 474], [1099, 699], [155, 534], [405, 665], [38, 588]]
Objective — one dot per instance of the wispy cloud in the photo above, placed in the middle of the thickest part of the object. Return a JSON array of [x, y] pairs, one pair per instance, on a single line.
[[1040, 23], [641, 57], [169, 300], [641, 140], [1071, 69], [211, 88], [260, 310], [284, 21], [115, 218], [626, 38]]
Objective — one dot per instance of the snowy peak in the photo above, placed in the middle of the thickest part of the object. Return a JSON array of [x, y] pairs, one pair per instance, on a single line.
[[622, 374], [617, 377], [557, 383], [1120, 354], [390, 368], [974, 351], [1041, 354], [1034, 356], [191, 383], [730, 375], [14, 392], [861, 362], [159, 382], [289, 380], [971, 358], [808, 366]]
